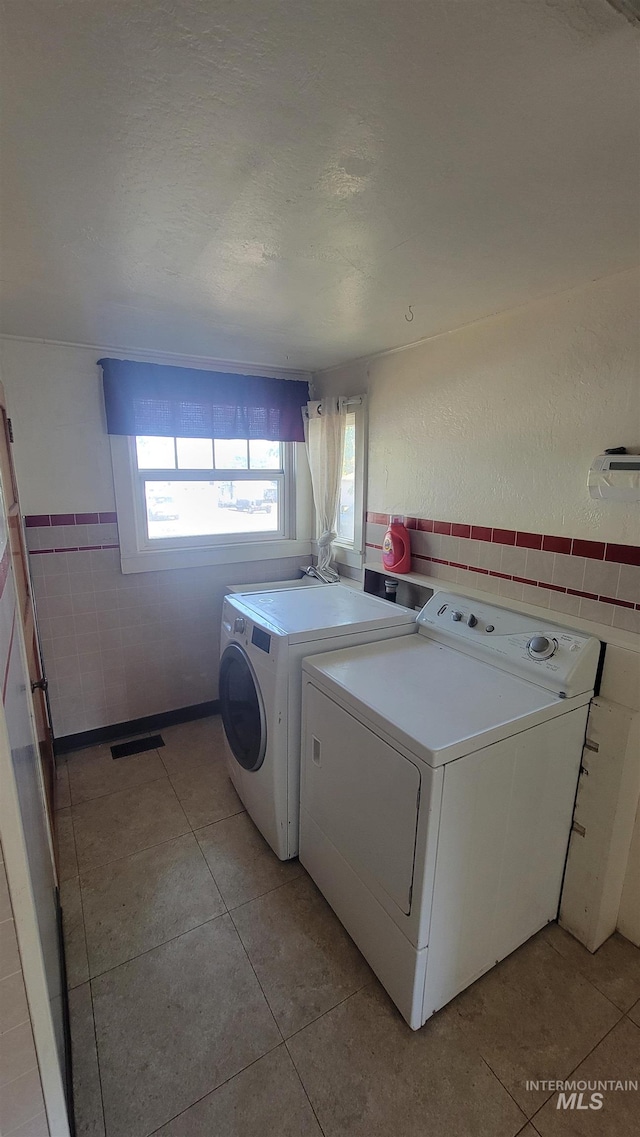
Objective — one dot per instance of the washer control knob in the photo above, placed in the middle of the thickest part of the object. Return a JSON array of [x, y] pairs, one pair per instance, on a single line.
[[490, 628], [540, 647], [472, 620], [239, 624], [457, 616]]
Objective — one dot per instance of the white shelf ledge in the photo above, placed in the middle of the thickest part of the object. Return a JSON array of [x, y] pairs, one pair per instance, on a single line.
[[604, 632]]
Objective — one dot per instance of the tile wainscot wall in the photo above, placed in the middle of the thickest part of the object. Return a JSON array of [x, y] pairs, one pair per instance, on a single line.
[[118, 647], [590, 579]]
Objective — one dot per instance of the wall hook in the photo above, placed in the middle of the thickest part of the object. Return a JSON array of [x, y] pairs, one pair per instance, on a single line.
[[409, 318]]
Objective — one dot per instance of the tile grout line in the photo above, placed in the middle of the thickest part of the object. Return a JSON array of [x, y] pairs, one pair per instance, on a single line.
[[112, 793], [95, 1040], [209, 920], [579, 1064], [302, 1028], [304, 1089], [508, 1091], [583, 1059], [154, 947], [268, 892], [225, 818], [133, 853], [250, 962], [216, 1088], [587, 978], [369, 983], [210, 871], [155, 844]]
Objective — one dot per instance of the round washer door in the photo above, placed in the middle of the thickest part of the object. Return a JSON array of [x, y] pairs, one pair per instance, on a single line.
[[242, 708]]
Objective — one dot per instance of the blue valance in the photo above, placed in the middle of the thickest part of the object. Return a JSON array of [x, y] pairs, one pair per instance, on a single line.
[[184, 402]]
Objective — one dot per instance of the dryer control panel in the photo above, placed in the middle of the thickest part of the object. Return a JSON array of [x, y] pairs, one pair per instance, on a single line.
[[554, 657]]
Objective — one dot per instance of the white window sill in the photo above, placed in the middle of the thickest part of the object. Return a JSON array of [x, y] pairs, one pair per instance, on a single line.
[[152, 560], [345, 555]]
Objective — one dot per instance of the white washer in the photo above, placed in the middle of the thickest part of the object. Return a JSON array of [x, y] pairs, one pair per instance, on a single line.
[[264, 638], [439, 774]]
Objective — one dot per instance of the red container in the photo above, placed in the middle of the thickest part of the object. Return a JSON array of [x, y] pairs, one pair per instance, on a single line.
[[396, 548]]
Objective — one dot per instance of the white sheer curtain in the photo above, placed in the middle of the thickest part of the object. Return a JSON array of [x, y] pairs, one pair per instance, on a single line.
[[324, 436]]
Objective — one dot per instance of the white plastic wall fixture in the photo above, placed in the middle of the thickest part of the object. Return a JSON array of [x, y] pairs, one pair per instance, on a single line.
[[615, 477]]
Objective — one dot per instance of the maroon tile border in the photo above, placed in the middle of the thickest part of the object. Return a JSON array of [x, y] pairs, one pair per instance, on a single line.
[[592, 549], [87, 549], [556, 544], [481, 533], [529, 540], [575, 546], [504, 536], [44, 520], [626, 554]]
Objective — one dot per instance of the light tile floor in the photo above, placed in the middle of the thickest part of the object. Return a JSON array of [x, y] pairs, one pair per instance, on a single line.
[[213, 993]]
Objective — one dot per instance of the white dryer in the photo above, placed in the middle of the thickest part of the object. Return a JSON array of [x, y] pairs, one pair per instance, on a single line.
[[439, 775], [264, 638]]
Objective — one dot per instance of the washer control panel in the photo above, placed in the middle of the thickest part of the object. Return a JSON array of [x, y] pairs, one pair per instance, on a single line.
[[558, 658]]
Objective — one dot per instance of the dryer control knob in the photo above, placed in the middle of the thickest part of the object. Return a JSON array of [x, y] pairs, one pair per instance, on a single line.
[[472, 620], [456, 616], [239, 624], [540, 647]]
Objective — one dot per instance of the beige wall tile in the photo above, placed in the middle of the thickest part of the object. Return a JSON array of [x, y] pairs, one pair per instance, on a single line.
[[6, 912], [9, 954], [595, 610], [510, 589], [489, 555], [14, 1009], [568, 571], [469, 551], [539, 565], [17, 1053], [626, 618], [562, 602], [21, 1101], [628, 584], [533, 595], [513, 560], [601, 577], [36, 1127]]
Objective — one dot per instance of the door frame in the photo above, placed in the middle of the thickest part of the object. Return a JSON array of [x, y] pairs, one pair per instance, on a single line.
[[24, 913]]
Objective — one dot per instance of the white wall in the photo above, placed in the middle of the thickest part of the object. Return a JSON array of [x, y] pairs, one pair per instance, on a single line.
[[54, 394], [497, 423], [116, 648]]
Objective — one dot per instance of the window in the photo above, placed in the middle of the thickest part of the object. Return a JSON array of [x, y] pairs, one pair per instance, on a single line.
[[348, 546], [346, 520], [189, 488], [186, 501]]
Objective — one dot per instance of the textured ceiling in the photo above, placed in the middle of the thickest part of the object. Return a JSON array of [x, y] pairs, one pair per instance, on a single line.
[[286, 181]]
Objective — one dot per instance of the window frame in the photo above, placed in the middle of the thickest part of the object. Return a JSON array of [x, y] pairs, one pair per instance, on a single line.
[[140, 553], [351, 553]]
